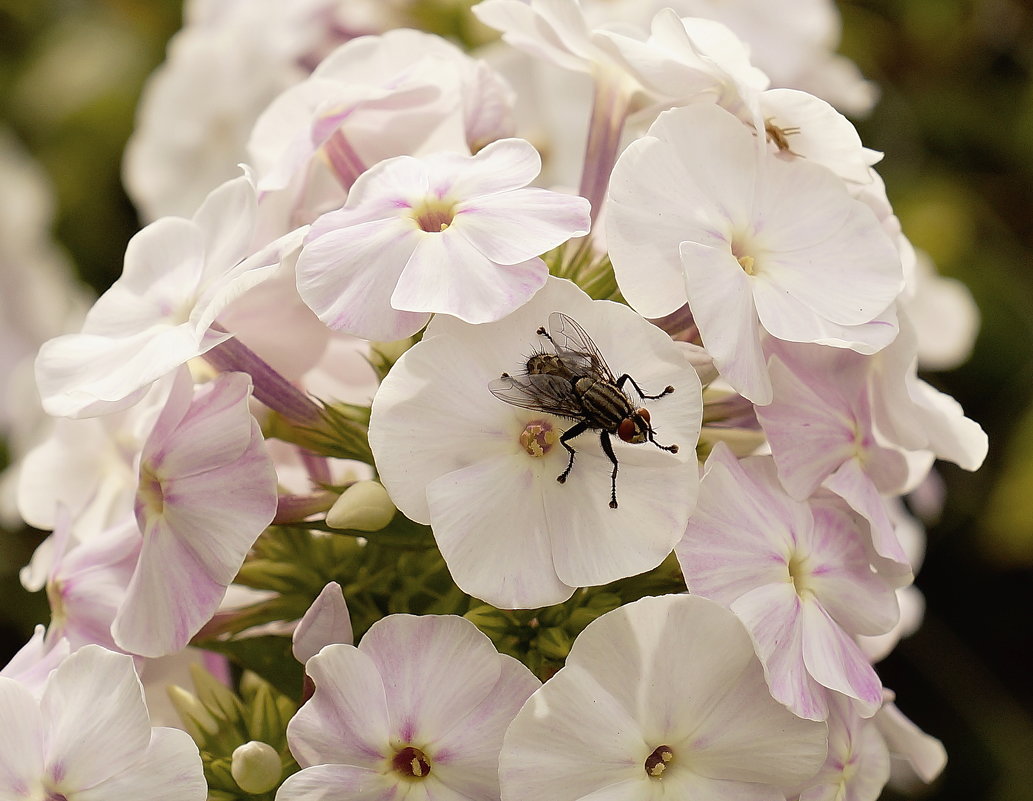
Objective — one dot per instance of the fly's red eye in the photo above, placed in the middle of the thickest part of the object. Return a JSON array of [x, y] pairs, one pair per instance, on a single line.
[[643, 413], [627, 429]]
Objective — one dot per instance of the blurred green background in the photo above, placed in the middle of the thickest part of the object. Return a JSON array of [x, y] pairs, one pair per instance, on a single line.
[[956, 123]]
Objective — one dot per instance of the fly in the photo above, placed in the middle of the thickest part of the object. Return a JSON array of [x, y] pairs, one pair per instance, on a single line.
[[574, 381]]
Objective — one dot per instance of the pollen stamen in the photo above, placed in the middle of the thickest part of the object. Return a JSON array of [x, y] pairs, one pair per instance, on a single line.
[[538, 437], [656, 763]]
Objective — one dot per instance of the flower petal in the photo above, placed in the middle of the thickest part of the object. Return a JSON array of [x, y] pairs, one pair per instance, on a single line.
[[436, 669], [169, 769], [836, 661], [21, 742], [721, 299], [346, 720], [517, 226], [337, 783], [348, 275], [447, 274], [498, 549], [88, 742]]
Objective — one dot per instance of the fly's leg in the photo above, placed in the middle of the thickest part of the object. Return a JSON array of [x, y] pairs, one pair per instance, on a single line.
[[604, 438], [625, 378], [570, 433], [669, 448], [543, 333]]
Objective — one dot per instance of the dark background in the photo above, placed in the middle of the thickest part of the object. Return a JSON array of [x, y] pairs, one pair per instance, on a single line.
[[956, 123]]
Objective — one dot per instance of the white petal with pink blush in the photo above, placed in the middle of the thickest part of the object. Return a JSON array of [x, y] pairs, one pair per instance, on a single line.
[[452, 455], [67, 745], [809, 598], [178, 275], [698, 199], [447, 233], [418, 708], [207, 490], [661, 698]]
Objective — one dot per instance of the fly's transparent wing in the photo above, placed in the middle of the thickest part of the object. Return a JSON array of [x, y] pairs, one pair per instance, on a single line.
[[539, 393], [573, 342]]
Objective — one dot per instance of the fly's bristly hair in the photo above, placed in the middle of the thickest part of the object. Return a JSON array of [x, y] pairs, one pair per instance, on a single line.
[[574, 382]]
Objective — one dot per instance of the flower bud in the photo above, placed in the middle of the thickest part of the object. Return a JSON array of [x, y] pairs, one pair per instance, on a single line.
[[256, 767], [264, 719], [217, 698], [554, 643], [490, 620], [364, 506], [197, 720]]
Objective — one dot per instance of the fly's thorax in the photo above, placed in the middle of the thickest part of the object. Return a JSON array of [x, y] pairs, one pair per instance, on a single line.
[[605, 404]]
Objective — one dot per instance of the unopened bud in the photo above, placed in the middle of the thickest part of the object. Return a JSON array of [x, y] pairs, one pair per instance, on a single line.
[[217, 698], [364, 506], [553, 643], [490, 620], [256, 767], [198, 721]]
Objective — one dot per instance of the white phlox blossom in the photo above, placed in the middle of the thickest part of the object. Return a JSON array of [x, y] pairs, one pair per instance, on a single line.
[[821, 432], [376, 97], [798, 575], [90, 467], [661, 698], [88, 738], [484, 473], [178, 276], [447, 233], [416, 711], [222, 69], [756, 245], [792, 41], [207, 490]]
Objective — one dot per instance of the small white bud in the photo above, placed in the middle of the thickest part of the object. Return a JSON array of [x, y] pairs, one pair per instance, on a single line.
[[364, 506], [256, 767]]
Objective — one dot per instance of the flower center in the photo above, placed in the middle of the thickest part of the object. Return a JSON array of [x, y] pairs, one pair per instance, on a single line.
[[538, 437], [746, 261], [434, 215], [800, 574], [150, 496], [656, 763], [411, 763]]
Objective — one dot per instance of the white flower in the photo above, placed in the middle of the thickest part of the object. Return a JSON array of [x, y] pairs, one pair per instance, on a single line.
[[483, 473], [179, 274], [446, 233], [89, 738], [417, 710], [660, 699], [700, 214]]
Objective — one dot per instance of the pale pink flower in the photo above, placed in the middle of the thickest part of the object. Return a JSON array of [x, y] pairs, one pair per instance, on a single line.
[[178, 276], [660, 699], [858, 763], [699, 213], [483, 472], [89, 738], [207, 490], [798, 576], [403, 93], [87, 582], [417, 710], [821, 432], [447, 233]]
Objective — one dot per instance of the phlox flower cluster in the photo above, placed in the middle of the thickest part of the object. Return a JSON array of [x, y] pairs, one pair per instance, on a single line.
[[493, 487]]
